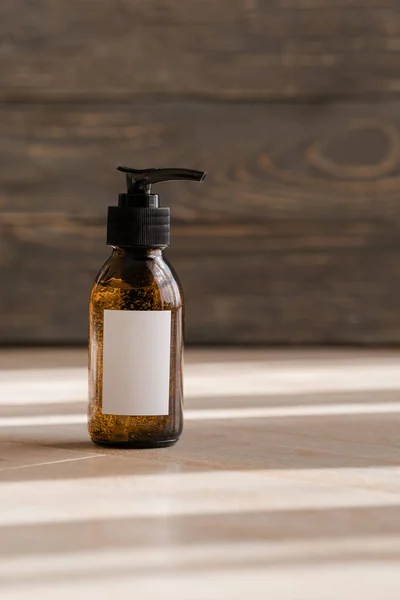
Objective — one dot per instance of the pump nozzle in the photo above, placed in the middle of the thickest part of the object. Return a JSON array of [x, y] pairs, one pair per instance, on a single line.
[[139, 181], [138, 220]]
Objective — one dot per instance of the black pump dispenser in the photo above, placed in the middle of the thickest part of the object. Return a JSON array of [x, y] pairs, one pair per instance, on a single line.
[[138, 220]]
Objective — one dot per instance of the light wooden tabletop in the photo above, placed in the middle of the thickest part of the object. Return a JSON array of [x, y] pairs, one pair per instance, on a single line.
[[284, 486]]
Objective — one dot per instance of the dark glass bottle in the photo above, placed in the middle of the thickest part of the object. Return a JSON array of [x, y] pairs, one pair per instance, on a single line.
[[135, 279], [136, 323]]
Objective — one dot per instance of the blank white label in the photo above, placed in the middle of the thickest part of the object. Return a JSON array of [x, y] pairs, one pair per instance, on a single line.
[[136, 362]]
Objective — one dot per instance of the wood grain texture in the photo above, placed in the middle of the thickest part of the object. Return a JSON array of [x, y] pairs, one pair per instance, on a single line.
[[338, 161], [293, 238], [273, 283], [240, 49], [290, 105]]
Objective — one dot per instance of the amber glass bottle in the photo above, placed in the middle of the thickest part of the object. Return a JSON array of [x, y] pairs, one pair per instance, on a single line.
[[135, 279], [136, 324]]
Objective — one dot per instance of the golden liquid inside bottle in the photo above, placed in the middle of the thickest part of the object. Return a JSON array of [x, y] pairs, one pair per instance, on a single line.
[[135, 280]]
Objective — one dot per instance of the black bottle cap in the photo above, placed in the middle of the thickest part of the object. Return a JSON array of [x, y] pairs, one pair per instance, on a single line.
[[138, 220]]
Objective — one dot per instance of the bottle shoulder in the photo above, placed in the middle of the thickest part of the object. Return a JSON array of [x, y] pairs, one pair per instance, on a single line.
[[133, 283]]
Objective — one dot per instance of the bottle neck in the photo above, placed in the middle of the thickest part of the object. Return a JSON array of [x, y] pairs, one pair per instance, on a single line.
[[137, 253]]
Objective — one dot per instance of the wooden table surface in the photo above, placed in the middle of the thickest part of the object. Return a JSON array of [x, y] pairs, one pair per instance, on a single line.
[[284, 486]]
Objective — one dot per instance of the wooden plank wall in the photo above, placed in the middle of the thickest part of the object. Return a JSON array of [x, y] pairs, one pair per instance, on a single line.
[[291, 105]]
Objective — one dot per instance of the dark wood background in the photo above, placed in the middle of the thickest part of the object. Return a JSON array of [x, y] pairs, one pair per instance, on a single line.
[[293, 106]]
